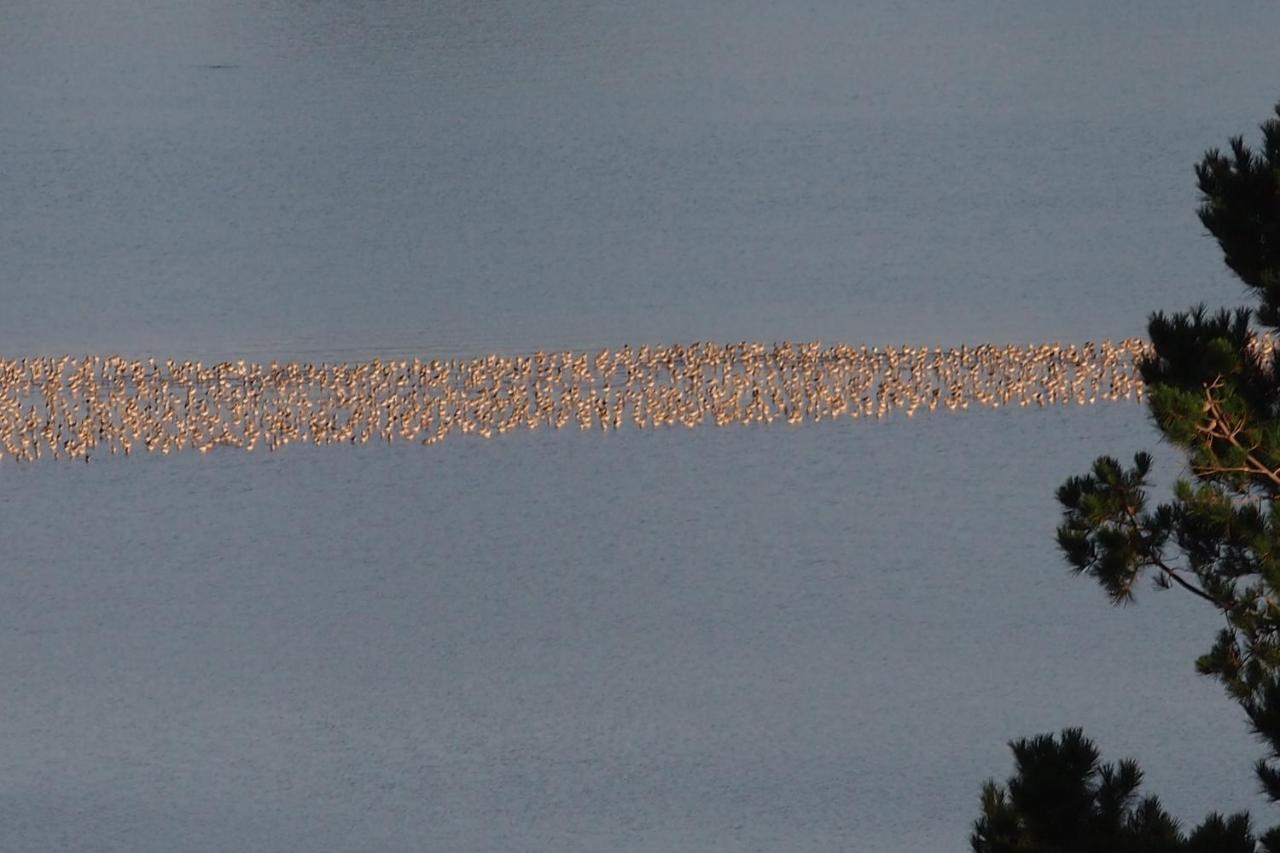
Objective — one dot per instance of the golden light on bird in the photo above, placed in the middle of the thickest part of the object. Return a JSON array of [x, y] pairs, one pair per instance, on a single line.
[[79, 408]]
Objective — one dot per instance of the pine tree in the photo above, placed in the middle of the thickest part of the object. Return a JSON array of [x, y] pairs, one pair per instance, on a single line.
[[1063, 800], [1214, 392], [1213, 380]]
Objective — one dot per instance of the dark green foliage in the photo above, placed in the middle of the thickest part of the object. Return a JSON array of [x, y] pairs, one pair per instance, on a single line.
[[1241, 207], [1215, 393], [1061, 799]]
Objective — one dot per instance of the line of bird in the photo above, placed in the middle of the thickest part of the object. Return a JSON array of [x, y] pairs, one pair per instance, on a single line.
[[81, 408]]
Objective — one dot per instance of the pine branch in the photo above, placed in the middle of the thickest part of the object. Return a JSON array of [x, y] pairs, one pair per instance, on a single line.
[[1216, 428], [1169, 571]]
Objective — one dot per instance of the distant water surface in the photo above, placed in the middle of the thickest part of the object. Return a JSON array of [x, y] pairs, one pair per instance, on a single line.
[[283, 177], [813, 639]]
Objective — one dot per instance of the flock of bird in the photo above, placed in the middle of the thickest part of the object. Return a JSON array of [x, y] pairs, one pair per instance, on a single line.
[[83, 408]]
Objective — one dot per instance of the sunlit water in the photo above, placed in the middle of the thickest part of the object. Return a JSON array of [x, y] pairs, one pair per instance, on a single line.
[[805, 639]]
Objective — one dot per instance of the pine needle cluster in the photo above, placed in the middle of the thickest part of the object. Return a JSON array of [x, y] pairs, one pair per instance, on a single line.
[[1214, 393], [1063, 798]]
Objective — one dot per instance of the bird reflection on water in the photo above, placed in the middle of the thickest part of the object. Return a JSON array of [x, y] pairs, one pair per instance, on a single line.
[[81, 408]]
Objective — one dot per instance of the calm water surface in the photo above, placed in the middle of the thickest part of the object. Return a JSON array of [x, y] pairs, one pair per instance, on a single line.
[[810, 639]]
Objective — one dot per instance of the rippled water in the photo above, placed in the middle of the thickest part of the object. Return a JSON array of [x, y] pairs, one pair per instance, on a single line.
[[759, 639]]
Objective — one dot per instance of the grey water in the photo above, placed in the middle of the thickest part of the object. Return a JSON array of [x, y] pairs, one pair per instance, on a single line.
[[817, 638]]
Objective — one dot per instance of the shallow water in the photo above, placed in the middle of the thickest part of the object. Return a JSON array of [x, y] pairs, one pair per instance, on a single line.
[[758, 638]]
